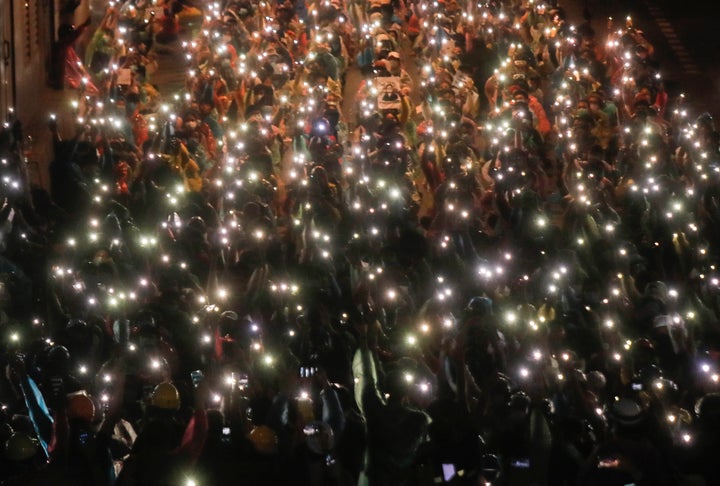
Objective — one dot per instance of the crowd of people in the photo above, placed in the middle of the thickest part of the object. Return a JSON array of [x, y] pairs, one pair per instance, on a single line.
[[490, 260]]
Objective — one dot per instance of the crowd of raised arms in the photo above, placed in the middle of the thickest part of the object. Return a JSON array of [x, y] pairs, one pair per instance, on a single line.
[[374, 243]]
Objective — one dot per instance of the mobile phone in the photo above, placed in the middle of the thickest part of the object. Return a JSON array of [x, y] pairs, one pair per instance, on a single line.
[[637, 386], [83, 437], [307, 371], [196, 377], [242, 381], [523, 463], [226, 434], [448, 471]]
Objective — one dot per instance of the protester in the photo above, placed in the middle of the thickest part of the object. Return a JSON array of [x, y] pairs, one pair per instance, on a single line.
[[330, 260]]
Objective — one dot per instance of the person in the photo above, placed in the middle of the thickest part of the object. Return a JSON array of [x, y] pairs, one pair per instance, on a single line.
[[395, 68], [164, 448], [395, 431], [540, 119], [101, 49], [167, 29], [67, 68]]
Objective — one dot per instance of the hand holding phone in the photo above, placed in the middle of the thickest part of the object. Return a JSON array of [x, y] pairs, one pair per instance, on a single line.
[[226, 434], [196, 377]]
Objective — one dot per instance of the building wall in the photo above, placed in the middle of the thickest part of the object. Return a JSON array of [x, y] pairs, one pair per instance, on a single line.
[[28, 29], [6, 58], [32, 38]]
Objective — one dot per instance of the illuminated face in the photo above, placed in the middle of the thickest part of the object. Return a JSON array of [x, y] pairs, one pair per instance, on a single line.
[[205, 108], [123, 169]]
